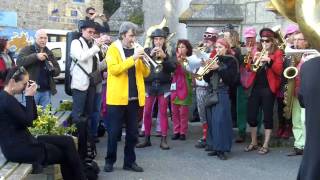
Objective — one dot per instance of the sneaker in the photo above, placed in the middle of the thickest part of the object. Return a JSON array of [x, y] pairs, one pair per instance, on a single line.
[[133, 167]]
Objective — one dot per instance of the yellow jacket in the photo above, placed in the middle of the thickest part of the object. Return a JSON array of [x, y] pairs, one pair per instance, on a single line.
[[117, 81]]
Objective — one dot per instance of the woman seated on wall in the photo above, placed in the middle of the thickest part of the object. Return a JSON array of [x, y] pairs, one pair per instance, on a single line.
[[17, 143]]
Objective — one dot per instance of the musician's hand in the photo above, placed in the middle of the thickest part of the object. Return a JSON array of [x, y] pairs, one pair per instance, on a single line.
[[154, 51], [265, 59], [139, 53], [203, 62], [214, 66]]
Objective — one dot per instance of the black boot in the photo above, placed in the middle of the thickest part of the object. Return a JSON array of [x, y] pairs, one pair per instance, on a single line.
[[144, 144], [164, 145]]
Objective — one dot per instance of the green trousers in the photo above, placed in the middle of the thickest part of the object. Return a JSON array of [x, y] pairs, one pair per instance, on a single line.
[[298, 124], [242, 106]]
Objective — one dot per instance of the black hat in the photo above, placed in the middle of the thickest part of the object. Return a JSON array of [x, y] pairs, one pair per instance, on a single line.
[[166, 29], [228, 27], [158, 33], [87, 24]]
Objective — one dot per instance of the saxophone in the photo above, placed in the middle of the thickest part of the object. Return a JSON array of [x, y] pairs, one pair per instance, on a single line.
[[290, 73]]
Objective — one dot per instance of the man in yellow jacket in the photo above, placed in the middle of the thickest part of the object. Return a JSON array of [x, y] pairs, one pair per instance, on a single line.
[[126, 92]]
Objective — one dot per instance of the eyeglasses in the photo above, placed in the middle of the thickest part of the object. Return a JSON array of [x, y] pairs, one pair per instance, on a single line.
[[298, 39], [209, 36], [265, 40]]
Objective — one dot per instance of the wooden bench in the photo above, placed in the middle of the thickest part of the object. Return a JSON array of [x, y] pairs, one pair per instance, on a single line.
[[17, 171], [13, 171]]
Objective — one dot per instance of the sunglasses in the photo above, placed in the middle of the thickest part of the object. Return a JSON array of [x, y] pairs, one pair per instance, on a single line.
[[91, 14], [209, 36], [265, 40]]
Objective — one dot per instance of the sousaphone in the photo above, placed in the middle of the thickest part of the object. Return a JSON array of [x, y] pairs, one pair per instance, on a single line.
[[306, 14]]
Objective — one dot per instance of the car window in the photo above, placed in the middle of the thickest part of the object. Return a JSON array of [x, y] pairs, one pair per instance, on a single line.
[[57, 53]]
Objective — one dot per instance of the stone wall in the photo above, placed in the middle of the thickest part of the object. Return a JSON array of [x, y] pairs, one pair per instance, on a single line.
[[217, 13], [50, 14]]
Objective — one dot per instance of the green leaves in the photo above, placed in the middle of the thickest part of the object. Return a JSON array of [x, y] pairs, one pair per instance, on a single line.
[[47, 124]]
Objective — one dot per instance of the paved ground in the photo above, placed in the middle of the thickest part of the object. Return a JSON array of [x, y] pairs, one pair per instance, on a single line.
[[183, 161]]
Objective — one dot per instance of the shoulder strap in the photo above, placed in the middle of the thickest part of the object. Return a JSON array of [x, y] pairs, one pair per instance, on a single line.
[[76, 62]]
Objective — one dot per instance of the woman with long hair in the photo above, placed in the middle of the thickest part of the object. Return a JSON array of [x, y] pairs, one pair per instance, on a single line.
[[222, 75], [181, 91], [17, 143], [264, 84], [6, 62]]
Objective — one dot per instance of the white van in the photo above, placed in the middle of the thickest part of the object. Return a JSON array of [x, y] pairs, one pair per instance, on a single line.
[[59, 51]]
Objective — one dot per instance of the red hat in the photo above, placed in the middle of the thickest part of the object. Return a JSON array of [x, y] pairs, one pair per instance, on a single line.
[[266, 32], [224, 42]]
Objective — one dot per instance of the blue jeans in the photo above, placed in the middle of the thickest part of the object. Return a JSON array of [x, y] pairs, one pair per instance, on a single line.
[[95, 116], [43, 98], [83, 102]]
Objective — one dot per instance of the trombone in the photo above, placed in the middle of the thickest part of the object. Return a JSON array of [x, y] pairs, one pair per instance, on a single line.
[[147, 60]]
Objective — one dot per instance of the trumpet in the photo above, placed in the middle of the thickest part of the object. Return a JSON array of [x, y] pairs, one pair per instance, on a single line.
[[104, 47], [257, 64], [147, 60], [206, 69]]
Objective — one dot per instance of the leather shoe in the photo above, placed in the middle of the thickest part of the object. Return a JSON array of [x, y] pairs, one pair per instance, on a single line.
[[222, 156], [240, 139], [176, 136], [133, 167], [108, 167], [182, 137], [213, 153], [296, 152]]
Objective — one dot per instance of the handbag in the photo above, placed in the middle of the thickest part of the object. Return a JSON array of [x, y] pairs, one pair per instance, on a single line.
[[212, 97], [95, 77]]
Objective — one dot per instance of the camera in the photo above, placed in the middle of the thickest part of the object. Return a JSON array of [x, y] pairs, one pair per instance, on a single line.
[[30, 83]]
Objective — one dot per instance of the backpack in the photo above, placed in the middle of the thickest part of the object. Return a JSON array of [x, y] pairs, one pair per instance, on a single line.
[[67, 82]]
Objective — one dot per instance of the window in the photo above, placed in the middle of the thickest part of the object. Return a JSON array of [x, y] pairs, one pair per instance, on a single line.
[[57, 53]]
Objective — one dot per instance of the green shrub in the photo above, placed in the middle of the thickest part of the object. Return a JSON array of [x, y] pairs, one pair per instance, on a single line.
[[47, 124]]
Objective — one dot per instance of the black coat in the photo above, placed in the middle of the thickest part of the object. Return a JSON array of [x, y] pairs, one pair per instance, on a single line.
[[309, 98], [17, 143], [159, 83], [227, 71]]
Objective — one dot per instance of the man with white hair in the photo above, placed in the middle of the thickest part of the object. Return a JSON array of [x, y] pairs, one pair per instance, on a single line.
[[42, 67]]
